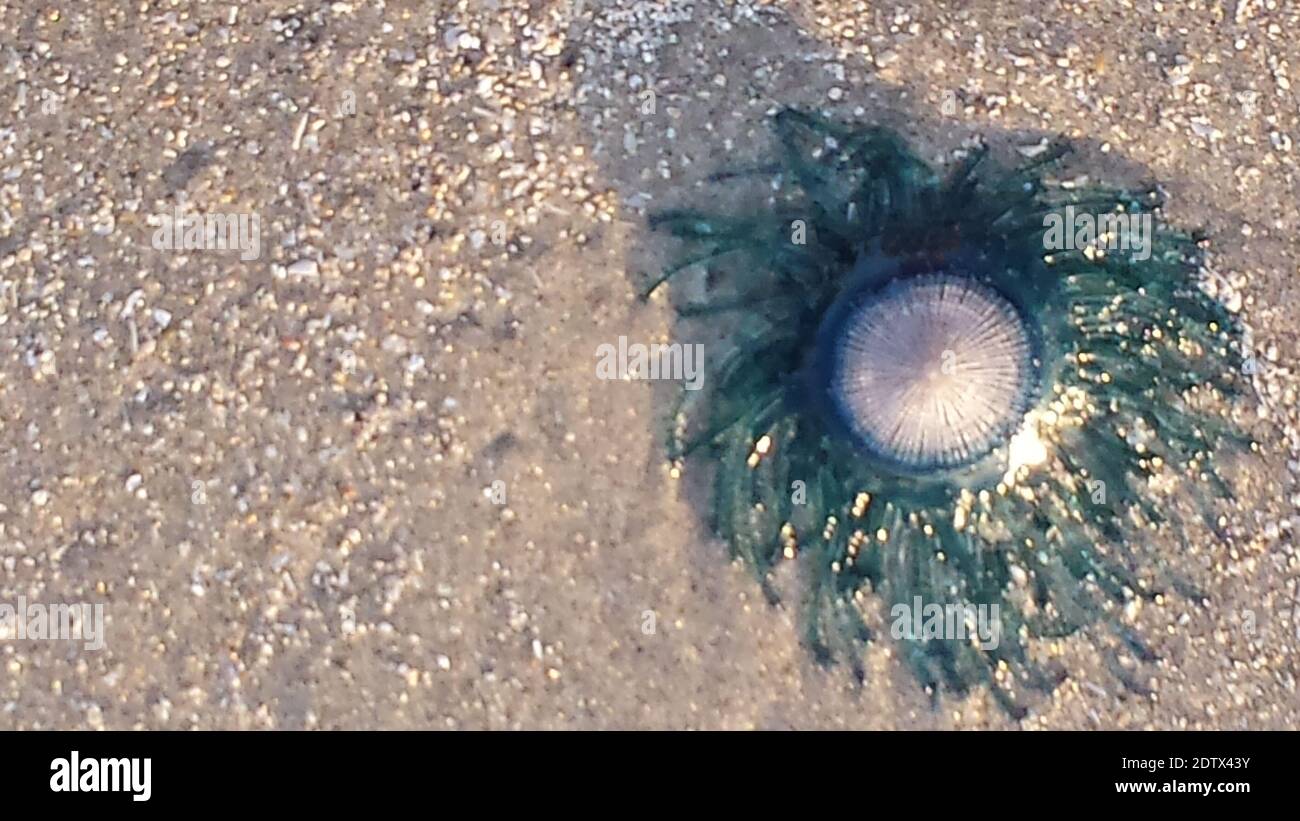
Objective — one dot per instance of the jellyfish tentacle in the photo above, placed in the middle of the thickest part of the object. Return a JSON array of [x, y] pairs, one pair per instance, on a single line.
[[1133, 362]]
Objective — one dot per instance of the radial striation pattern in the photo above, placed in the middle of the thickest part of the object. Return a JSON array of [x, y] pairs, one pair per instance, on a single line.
[[932, 371]]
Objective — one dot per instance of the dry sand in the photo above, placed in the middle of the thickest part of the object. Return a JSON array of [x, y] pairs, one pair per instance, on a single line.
[[277, 475]]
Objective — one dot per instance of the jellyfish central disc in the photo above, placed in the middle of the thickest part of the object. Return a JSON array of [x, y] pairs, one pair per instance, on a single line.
[[933, 371]]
